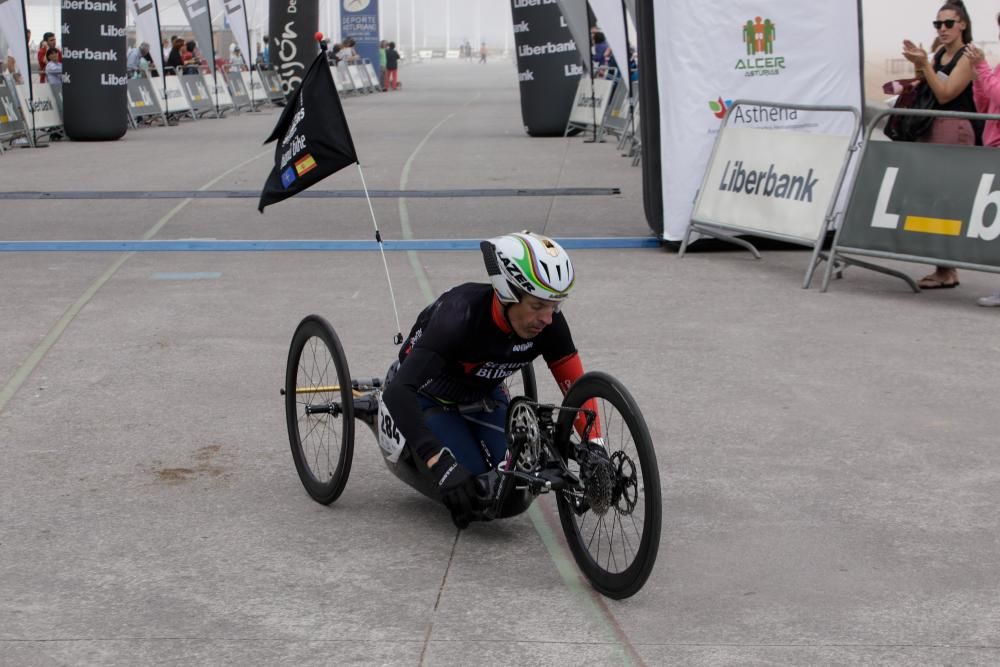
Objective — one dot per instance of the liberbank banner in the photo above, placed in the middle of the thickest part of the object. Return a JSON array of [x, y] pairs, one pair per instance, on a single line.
[[788, 51], [903, 203], [94, 83], [775, 182], [548, 66]]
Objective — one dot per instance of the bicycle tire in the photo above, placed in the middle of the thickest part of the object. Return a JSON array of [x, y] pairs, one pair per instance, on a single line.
[[624, 581], [309, 389], [525, 380]]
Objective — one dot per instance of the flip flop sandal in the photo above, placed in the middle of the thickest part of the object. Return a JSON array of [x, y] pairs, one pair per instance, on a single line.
[[929, 282]]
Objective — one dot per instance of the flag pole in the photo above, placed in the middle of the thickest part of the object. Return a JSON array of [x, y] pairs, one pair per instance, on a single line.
[[398, 338]]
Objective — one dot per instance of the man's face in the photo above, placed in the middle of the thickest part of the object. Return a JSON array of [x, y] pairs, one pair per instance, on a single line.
[[52, 41], [531, 315]]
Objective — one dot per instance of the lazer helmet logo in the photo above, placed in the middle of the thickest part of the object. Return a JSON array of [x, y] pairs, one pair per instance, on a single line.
[[719, 107], [514, 272]]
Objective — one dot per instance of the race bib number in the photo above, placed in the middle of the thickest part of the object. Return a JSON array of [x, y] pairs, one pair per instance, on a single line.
[[390, 440]]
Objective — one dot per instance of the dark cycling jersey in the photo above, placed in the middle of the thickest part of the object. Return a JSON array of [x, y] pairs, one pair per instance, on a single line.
[[459, 350]]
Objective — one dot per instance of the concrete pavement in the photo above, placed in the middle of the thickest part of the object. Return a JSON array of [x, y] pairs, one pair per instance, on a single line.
[[829, 462]]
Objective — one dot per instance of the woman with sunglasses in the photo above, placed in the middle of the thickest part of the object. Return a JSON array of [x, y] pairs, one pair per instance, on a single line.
[[986, 89], [949, 76]]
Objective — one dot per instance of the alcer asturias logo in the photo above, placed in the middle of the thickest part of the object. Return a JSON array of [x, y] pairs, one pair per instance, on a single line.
[[759, 35]]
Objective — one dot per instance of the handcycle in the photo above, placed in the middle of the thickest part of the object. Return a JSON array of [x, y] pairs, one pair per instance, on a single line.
[[607, 487]]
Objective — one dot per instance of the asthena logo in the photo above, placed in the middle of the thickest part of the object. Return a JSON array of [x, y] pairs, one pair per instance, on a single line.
[[719, 107], [752, 115], [759, 35]]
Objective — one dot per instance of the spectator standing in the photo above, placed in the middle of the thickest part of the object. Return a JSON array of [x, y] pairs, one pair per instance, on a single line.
[[53, 76], [192, 58], [392, 67], [986, 91], [482, 53], [266, 52], [48, 42], [175, 59], [381, 61], [12, 68], [132, 59], [949, 76]]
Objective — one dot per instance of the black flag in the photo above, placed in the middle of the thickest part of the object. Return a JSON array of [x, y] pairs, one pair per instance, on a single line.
[[315, 140]]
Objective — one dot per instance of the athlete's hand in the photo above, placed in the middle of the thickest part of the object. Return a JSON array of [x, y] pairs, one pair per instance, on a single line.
[[457, 487]]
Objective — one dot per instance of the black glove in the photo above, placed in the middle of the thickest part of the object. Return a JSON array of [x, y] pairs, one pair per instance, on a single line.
[[458, 488]]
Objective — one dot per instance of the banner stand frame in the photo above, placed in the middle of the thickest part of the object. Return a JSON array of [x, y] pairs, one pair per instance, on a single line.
[[836, 252], [717, 229], [611, 74], [30, 133]]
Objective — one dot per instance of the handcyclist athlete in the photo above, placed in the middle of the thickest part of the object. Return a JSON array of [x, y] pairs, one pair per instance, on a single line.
[[462, 348]]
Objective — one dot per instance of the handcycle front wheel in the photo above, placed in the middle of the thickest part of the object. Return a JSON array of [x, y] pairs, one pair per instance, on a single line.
[[319, 409], [612, 525]]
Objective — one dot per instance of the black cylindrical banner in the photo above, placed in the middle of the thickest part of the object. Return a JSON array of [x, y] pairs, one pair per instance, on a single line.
[[548, 66], [292, 27], [95, 96]]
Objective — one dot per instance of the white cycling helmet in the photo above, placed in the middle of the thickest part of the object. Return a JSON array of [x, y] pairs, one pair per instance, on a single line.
[[527, 263]]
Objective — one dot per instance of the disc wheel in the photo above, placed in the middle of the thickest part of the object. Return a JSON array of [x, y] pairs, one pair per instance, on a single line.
[[612, 525], [319, 409]]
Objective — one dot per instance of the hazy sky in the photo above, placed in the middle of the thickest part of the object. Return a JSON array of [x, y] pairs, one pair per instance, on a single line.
[[887, 22]]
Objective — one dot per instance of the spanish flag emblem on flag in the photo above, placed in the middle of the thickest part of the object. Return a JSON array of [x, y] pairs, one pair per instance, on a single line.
[[305, 164]]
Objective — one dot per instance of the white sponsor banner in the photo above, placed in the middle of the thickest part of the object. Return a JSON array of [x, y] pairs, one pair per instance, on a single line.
[[45, 105], [236, 15], [198, 17], [778, 50], [611, 20], [218, 90], [257, 92], [13, 29], [772, 181], [588, 108], [173, 95], [145, 13]]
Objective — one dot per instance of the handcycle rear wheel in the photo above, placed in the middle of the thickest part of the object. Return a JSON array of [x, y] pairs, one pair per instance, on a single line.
[[319, 409], [523, 383], [613, 533]]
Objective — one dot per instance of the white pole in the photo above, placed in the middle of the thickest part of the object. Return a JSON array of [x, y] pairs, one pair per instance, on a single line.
[[378, 237], [413, 27], [399, 31], [447, 25]]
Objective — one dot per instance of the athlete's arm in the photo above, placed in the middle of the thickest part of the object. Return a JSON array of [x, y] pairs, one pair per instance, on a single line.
[[401, 397], [567, 371]]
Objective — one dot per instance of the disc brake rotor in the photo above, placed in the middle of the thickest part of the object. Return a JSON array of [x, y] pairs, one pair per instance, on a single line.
[[626, 482], [523, 420]]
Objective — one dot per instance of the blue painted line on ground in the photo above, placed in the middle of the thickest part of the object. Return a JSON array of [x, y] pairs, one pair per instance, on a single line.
[[595, 243], [203, 275]]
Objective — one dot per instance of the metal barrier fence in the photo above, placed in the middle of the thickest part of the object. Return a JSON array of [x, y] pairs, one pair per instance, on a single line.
[[921, 202], [773, 183]]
